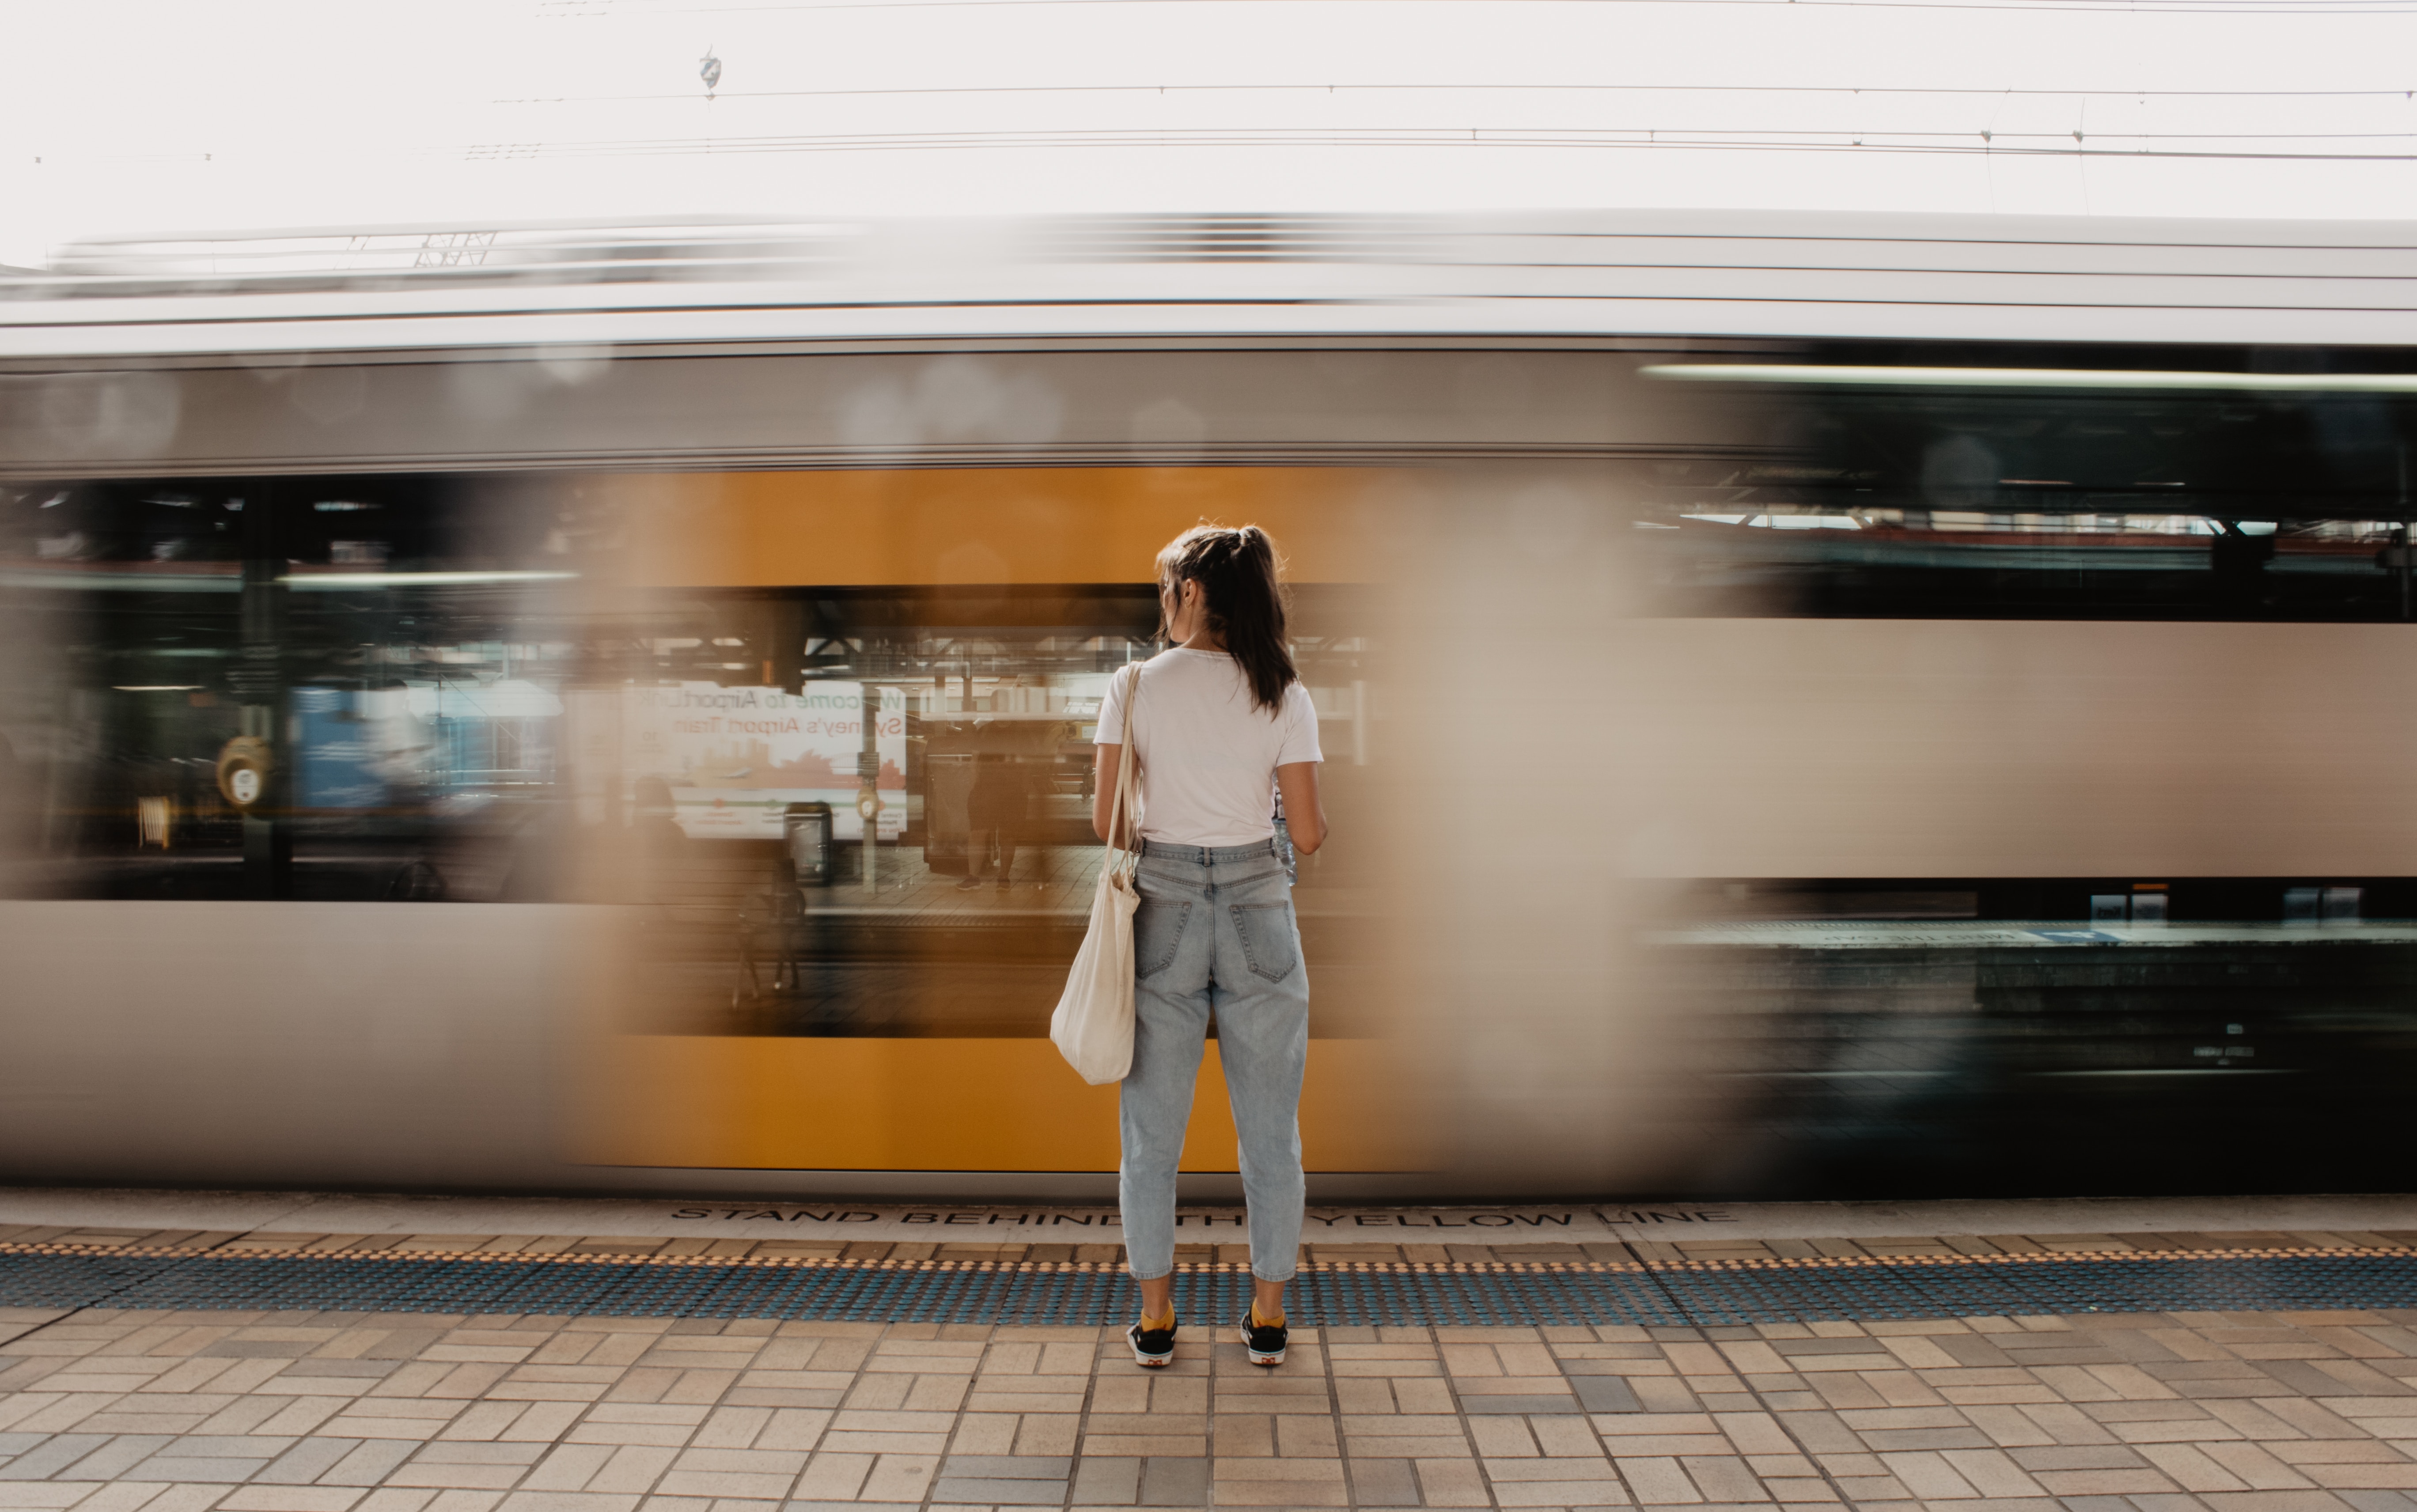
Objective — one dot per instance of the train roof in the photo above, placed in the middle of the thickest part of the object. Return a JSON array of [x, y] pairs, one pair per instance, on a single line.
[[1220, 280]]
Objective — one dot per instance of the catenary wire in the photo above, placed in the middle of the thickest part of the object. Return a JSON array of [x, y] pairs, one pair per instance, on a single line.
[[1962, 143], [1309, 88], [579, 9]]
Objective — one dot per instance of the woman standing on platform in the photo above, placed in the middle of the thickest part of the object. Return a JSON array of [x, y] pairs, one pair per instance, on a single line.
[[1222, 725]]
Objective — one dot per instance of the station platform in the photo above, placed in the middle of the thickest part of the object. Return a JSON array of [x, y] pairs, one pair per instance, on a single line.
[[297, 1352]]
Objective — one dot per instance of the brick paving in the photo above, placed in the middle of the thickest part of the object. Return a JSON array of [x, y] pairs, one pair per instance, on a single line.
[[120, 1411]]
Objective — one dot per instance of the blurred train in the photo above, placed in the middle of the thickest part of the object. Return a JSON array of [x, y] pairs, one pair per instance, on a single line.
[[1814, 705]]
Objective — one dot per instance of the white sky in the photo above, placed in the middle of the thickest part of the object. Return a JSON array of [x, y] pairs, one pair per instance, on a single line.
[[155, 114]]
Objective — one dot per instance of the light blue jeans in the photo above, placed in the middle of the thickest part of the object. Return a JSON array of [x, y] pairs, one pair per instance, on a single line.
[[1215, 935]]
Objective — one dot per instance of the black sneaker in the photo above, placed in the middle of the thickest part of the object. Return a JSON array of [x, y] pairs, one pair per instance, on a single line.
[[1265, 1343], [1153, 1348]]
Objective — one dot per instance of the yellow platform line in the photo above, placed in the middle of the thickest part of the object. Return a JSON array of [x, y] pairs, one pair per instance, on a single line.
[[1510, 1267]]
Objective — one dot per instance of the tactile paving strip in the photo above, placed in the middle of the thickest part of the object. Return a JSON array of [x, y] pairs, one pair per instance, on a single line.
[[1709, 1292]]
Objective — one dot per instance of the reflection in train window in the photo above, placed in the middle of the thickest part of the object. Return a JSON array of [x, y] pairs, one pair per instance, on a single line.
[[776, 917], [836, 811], [1993, 497]]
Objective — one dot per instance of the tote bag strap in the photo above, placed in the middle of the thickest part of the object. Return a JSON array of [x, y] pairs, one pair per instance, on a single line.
[[1126, 802]]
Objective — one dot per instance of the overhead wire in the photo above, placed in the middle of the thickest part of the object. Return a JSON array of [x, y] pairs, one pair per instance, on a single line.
[[1626, 137], [1315, 88], [613, 9]]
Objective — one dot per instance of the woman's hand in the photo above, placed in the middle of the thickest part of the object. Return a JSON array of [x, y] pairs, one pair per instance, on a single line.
[[1304, 816]]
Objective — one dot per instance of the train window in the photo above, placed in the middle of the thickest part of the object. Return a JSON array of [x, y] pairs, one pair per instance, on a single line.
[[1965, 492], [952, 724], [851, 810], [342, 690]]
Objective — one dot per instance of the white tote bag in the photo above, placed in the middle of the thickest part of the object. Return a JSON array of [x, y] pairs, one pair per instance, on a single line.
[[1093, 1026]]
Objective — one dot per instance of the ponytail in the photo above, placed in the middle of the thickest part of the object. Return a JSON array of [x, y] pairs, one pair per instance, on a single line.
[[1237, 573]]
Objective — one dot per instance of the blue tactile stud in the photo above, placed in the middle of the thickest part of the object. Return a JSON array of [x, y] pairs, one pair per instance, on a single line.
[[1703, 1294]]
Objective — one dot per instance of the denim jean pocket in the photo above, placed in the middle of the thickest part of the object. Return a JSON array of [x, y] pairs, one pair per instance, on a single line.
[[1269, 942], [1158, 929]]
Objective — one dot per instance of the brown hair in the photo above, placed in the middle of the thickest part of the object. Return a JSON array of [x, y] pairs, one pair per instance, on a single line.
[[1237, 573]]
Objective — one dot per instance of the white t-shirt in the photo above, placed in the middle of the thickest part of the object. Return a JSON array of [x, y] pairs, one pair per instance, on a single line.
[[1209, 756]]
